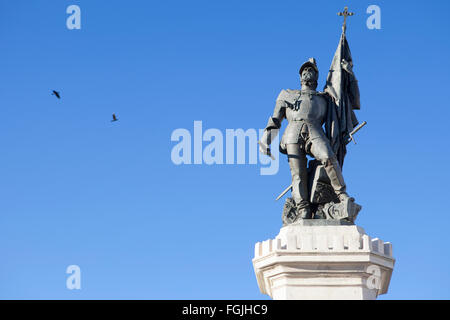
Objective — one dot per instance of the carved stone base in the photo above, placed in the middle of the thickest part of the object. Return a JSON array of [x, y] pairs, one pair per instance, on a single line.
[[289, 212], [310, 260], [347, 210]]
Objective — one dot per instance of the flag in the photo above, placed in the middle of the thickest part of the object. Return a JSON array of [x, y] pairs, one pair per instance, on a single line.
[[343, 89]]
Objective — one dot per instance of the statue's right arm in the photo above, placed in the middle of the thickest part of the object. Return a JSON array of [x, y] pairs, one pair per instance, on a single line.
[[274, 123]]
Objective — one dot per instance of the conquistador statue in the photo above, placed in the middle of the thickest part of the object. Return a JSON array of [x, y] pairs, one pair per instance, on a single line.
[[306, 112], [320, 124]]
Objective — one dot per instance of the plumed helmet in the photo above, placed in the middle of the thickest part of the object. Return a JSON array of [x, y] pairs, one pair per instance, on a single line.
[[312, 63]]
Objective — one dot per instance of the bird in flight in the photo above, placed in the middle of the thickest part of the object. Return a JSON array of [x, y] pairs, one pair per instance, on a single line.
[[56, 93], [114, 117]]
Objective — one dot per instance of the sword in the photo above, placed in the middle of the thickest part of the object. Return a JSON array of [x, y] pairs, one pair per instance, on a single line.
[[348, 139], [350, 135], [284, 192]]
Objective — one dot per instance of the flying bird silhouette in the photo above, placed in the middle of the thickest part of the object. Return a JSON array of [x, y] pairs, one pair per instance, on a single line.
[[114, 117], [56, 93]]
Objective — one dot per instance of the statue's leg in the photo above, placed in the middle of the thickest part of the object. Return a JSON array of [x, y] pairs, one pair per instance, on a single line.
[[297, 163], [321, 150]]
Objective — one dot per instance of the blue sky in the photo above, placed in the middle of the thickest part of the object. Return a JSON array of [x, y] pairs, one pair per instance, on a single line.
[[78, 189]]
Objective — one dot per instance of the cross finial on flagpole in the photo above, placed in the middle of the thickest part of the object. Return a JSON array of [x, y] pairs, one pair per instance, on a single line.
[[346, 14]]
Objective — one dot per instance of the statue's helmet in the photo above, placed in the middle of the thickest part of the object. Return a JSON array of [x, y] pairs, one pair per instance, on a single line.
[[311, 63]]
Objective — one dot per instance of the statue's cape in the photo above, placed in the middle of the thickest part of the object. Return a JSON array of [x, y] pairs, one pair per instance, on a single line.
[[343, 91]]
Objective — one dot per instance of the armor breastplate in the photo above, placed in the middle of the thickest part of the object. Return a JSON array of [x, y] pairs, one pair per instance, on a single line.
[[305, 116], [307, 107]]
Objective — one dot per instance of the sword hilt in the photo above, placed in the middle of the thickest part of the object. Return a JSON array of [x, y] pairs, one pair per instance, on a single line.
[[350, 135]]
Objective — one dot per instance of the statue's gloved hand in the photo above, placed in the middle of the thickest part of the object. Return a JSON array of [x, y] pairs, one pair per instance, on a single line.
[[347, 66], [264, 148]]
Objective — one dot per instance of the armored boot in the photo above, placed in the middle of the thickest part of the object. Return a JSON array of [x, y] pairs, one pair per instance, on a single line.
[[334, 172], [343, 196], [302, 202], [304, 213]]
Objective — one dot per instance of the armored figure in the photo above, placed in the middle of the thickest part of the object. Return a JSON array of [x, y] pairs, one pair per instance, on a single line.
[[307, 111]]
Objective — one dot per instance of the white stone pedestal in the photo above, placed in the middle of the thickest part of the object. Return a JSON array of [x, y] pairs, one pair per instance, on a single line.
[[321, 261]]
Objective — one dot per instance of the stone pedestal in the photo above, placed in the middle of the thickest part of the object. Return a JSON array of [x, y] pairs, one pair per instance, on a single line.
[[322, 260]]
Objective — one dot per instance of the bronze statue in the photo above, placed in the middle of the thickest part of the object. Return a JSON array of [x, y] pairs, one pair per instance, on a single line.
[[318, 186]]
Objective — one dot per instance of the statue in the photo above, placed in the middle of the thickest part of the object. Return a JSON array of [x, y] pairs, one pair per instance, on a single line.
[[318, 186]]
